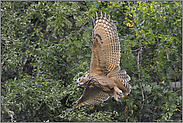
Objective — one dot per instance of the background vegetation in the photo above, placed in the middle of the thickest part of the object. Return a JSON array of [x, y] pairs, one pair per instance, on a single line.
[[45, 47]]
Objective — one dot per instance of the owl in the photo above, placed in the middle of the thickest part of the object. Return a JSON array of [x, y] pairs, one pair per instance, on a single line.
[[105, 78]]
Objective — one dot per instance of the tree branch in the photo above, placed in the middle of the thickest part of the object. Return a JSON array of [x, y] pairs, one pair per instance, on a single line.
[[139, 76], [83, 25]]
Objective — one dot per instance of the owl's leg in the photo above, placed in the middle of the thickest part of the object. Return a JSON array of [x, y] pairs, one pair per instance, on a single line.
[[120, 84], [115, 95], [117, 90]]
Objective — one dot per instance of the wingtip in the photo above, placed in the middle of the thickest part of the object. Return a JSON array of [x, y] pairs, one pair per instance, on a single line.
[[101, 15], [93, 23], [104, 15], [108, 18], [96, 15]]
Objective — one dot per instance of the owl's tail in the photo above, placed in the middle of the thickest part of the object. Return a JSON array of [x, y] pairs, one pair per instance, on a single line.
[[124, 78]]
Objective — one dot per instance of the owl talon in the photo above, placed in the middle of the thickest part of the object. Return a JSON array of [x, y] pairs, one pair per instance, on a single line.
[[120, 92]]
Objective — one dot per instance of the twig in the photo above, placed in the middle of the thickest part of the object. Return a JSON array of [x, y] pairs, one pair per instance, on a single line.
[[23, 64], [179, 110], [136, 50], [93, 24], [167, 55], [139, 52], [138, 64], [83, 25]]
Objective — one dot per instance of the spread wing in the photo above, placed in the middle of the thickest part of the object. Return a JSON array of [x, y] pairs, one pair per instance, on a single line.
[[91, 96], [98, 60], [104, 33]]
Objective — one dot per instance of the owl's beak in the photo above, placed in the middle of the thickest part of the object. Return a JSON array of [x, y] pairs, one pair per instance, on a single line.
[[78, 83]]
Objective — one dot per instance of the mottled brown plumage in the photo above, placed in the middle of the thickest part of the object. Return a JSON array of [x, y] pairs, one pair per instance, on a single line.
[[105, 78]]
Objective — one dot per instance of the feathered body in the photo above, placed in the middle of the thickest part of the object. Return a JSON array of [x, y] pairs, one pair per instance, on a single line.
[[105, 78]]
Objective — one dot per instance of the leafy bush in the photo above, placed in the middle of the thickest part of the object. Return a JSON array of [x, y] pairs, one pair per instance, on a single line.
[[46, 47]]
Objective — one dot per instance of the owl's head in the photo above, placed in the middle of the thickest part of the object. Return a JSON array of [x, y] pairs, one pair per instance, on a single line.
[[81, 81]]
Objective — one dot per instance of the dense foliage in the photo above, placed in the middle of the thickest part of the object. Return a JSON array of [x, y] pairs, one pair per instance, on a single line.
[[45, 47]]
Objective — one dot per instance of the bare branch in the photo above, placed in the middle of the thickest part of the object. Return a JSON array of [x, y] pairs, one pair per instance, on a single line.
[[139, 76], [136, 50], [83, 25]]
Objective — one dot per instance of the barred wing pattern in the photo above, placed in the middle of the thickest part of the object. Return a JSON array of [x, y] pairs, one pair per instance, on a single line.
[[105, 30], [91, 96]]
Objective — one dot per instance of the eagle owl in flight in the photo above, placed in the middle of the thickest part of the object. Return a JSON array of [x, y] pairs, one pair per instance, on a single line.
[[105, 79]]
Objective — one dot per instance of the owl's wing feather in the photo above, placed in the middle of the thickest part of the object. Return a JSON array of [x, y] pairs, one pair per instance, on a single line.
[[105, 33], [98, 60], [91, 96], [122, 76]]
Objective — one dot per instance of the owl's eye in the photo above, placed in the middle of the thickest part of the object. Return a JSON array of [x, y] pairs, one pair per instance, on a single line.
[[80, 80]]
